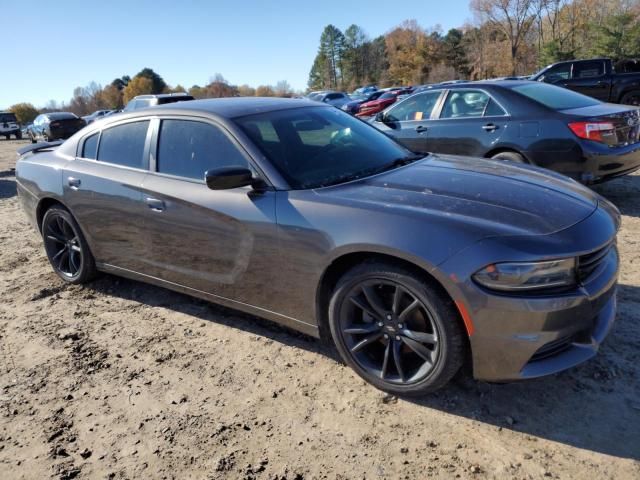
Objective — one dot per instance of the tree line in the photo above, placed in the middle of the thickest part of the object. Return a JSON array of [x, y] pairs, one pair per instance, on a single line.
[[115, 96], [507, 37]]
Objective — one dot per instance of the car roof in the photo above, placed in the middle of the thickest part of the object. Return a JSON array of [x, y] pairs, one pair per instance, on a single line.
[[162, 95], [230, 107]]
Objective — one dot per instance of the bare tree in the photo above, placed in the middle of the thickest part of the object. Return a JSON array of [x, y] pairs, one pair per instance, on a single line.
[[512, 17]]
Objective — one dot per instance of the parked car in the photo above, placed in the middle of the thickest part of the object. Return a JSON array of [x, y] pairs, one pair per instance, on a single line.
[[98, 114], [144, 101], [336, 99], [372, 107], [597, 78], [9, 125], [55, 126], [367, 90], [508, 266], [353, 106], [521, 121]]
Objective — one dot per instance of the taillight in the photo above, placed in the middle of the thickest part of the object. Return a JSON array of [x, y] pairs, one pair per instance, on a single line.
[[596, 131]]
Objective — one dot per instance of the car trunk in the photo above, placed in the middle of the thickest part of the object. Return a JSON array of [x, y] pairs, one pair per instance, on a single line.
[[625, 122]]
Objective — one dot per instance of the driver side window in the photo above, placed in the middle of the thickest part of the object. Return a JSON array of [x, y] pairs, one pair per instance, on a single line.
[[416, 107], [189, 148]]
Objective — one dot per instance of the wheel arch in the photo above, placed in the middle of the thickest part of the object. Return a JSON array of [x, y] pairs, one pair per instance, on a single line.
[[45, 204], [341, 264], [498, 150]]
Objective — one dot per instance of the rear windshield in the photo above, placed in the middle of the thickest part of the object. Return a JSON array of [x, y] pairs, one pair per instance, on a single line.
[[178, 98], [556, 98], [61, 116], [7, 117]]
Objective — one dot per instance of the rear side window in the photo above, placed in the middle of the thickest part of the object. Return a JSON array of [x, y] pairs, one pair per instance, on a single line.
[[7, 117], [90, 147], [493, 109], [124, 145], [465, 104], [557, 73], [189, 148], [556, 98], [588, 69]]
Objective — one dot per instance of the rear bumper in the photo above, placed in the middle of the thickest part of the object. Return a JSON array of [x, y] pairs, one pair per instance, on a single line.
[[591, 162]]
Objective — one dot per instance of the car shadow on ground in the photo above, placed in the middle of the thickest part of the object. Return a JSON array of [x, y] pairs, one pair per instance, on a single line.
[[594, 406], [7, 188], [624, 192]]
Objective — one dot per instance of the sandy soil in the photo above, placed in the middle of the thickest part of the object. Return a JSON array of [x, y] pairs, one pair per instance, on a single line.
[[123, 380]]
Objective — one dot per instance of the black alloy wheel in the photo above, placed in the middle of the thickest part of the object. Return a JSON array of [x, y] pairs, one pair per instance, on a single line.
[[396, 331], [66, 247]]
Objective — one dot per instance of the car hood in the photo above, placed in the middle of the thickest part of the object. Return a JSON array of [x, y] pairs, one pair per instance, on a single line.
[[489, 197]]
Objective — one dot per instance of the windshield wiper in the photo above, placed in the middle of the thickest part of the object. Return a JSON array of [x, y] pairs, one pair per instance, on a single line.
[[398, 162]]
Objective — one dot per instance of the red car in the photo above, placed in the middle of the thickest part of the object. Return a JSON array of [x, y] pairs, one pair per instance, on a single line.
[[374, 106]]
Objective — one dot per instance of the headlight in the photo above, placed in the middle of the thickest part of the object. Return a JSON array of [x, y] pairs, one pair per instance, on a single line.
[[519, 276]]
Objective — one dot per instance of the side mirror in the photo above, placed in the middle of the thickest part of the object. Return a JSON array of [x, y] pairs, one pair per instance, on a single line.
[[379, 117], [228, 177]]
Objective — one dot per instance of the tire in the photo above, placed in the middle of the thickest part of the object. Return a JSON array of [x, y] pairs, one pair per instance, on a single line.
[[66, 247], [511, 156], [33, 140], [19, 136], [7, 137], [631, 98], [367, 328]]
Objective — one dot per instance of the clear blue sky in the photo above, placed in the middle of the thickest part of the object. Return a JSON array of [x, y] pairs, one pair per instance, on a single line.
[[59, 45]]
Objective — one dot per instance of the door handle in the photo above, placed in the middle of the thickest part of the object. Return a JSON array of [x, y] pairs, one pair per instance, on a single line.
[[74, 183], [155, 204], [421, 129], [489, 127]]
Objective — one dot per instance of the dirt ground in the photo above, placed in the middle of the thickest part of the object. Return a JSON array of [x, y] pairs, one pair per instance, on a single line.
[[123, 380]]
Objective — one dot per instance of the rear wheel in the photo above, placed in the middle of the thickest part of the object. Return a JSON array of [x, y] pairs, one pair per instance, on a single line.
[[631, 98], [66, 247], [19, 135], [511, 156], [395, 330], [7, 137]]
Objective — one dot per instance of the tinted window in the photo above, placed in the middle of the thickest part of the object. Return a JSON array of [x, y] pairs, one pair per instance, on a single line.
[[90, 147], [417, 107], [7, 117], [464, 104], [61, 116], [124, 144], [557, 73], [493, 109], [188, 149], [557, 98], [142, 103], [388, 95], [318, 146], [588, 69]]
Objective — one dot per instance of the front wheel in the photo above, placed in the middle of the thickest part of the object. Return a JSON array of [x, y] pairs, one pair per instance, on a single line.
[[66, 247], [19, 135], [396, 330]]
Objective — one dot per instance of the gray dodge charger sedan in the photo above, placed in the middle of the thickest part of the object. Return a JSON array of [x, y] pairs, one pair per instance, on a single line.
[[297, 212]]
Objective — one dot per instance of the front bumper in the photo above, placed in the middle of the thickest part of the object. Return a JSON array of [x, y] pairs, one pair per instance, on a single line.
[[517, 337]]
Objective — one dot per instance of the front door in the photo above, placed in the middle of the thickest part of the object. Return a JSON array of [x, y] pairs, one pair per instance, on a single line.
[[220, 242]]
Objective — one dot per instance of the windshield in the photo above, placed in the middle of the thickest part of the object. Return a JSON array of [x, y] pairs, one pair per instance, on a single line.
[[317, 146], [556, 98]]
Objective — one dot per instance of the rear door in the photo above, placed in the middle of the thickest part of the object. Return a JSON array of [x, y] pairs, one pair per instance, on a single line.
[[590, 78], [221, 242], [410, 120], [470, 122], [102, 187]]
